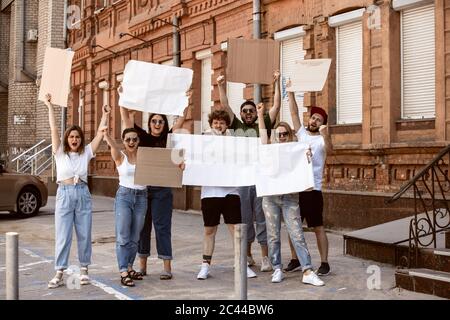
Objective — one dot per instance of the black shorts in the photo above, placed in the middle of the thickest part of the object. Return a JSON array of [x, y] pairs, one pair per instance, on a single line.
[[311, 207], [230, 207]]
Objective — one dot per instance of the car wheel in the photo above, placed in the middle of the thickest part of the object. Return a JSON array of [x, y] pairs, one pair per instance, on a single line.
[[28, 203]]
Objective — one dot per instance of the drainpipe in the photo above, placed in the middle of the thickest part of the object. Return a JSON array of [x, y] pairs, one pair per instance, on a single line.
[[176, 43], [257, 35], [23, 68], [64, 110]]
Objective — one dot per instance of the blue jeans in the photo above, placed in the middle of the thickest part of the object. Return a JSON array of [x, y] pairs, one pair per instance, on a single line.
[[73, 208], [286, 206], [159, 211], [251, 211], [130, 207]]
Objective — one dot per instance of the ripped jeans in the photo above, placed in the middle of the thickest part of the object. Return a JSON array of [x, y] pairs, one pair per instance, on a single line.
[[287, 206]]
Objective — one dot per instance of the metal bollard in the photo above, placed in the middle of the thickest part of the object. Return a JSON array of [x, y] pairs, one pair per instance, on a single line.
[[12, 266], [240, 261]]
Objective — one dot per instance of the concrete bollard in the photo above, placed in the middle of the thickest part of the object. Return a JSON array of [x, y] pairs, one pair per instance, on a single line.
[[12, 266], [240, 261]]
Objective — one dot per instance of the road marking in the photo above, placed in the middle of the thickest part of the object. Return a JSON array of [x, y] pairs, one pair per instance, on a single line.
[[110, 290], [24, 266], [30, 253]]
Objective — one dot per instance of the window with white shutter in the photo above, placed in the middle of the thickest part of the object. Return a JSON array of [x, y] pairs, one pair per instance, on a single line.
[[291, 51], [349, 47], [235, 95], [418, 62], [205, 57]]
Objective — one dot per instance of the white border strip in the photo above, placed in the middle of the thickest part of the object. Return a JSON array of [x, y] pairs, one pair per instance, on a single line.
[[407, 4], [345, 18], [289, 33], [429, 276]]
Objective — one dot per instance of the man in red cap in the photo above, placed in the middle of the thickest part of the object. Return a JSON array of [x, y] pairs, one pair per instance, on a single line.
[[311, 202]]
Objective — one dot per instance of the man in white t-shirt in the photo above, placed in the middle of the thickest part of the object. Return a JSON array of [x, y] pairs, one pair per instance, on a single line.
[[311, 202]]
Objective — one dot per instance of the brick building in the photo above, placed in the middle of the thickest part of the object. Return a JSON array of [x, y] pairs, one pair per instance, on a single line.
[[387, 91], [27, 27]]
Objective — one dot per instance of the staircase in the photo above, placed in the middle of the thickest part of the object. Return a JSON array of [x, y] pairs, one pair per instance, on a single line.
[[419, 245], [37, 160]]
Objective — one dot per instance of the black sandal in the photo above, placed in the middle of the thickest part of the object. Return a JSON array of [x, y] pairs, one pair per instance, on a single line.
[[136, 275], [127, 281]]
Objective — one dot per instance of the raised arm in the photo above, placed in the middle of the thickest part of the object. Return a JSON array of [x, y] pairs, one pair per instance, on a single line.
[[126, 114], [115, 149], [261, 124], [103, 126], [56, 141], [323, 130], [273, 112], [293, 107], [178, 125], [223, 98]]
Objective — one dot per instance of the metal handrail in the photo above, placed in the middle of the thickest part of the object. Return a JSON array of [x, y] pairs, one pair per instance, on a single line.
[[418, 176], [38, 153], [44, 166], [26, 151]]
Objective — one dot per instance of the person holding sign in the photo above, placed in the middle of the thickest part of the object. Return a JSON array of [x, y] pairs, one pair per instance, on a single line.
[[311, 202], [73, 201], [216, 201], [277, 206], [160, 199], [130, 205], [251, 205]]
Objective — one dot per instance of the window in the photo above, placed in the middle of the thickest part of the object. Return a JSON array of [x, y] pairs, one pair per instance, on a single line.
[[206, 86], [291, 51], [349, 52], [418, 62]]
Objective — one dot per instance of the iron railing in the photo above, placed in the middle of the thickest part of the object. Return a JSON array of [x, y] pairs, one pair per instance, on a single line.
[[34, 160], [431, 190]]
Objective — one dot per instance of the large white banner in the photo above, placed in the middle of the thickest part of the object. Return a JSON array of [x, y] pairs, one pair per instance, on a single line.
[[221, 161], [155, 88], [283, 168]]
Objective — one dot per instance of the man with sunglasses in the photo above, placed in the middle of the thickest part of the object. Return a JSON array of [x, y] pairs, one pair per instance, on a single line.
[[251, 206]]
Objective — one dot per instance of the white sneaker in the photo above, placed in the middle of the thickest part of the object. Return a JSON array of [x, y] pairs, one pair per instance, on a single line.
[[250, 261], [266, 266], [204, 271], [277, 276], [313, 279], [251, 273]]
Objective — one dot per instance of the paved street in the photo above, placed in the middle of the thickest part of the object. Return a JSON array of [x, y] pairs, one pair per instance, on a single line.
[[348, 280]]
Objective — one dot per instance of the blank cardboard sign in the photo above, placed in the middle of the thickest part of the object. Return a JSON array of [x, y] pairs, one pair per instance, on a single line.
[[56, 75], [310, 75], [154, 167], [252, 61]]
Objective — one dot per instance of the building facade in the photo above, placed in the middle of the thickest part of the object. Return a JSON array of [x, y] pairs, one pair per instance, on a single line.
[[27, 27], [387, 92]]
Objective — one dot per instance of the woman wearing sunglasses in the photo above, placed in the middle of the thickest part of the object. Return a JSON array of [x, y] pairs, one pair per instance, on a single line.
[[285, 206], [160, 199], [130, 205]]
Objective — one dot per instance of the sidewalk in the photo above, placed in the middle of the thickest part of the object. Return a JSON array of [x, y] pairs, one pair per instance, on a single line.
[[348, 280]]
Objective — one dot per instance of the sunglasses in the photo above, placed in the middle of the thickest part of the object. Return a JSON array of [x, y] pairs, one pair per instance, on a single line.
[[127, 140], [283, 134], [156, 122], [248, 110]]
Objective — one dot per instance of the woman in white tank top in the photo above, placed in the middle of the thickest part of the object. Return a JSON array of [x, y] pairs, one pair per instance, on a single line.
[[130, 205]]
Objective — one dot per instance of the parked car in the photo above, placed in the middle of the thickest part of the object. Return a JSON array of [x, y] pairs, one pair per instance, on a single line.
[[20, 193]]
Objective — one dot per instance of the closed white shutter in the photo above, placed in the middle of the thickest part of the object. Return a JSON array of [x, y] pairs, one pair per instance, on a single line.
[[291, 51], [418, 65], [349, 73], [235, 94], [206, 100]]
